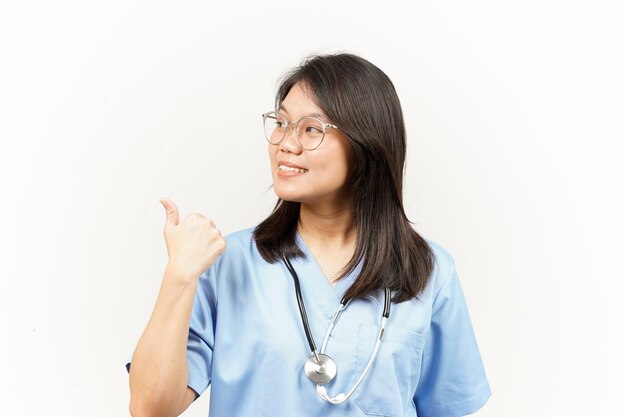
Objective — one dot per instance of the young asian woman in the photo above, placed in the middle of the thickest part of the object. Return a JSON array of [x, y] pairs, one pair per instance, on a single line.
[[256, 314]]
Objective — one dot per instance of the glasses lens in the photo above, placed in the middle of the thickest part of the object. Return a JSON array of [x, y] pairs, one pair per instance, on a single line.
[[311, 132], [275, 126]]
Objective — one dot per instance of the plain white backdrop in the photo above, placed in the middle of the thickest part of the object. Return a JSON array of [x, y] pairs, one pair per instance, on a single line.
[[515, 117]]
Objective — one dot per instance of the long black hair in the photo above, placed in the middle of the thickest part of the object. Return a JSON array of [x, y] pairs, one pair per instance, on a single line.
[[360, 98]]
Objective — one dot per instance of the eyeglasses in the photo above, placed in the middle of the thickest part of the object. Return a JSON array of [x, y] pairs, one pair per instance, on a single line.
[[310, 131]]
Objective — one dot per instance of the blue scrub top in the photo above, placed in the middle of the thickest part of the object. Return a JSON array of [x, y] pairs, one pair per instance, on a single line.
[[246, 340]]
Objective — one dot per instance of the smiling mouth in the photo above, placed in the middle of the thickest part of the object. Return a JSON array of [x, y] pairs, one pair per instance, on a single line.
[[285, 168]]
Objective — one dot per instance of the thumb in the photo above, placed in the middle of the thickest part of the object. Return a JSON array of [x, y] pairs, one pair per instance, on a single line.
[[171, 212]]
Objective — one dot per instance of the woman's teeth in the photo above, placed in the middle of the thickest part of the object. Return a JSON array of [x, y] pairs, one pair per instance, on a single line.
[[292, 169]]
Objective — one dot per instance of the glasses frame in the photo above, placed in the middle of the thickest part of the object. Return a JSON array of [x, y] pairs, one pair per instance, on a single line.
[[323, 123]]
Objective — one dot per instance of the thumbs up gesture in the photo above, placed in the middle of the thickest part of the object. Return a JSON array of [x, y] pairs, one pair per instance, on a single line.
[[194, 244]]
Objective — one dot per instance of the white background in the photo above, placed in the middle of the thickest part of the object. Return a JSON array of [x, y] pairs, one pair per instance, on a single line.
[[515, 116]]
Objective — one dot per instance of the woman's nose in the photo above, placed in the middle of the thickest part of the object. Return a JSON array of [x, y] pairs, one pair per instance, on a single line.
[[290, 142]]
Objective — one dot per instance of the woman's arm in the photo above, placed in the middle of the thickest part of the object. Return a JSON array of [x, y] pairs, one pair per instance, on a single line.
[[158, 375]]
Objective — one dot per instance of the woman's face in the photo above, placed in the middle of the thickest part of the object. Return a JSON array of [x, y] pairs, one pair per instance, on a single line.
[[326, 167]]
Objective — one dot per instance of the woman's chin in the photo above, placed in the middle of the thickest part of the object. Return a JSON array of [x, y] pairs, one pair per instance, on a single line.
[[288, 192], [294, 197]]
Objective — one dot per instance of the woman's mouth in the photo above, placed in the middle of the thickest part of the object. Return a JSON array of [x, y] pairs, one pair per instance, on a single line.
[[291, 169], [285, 171]]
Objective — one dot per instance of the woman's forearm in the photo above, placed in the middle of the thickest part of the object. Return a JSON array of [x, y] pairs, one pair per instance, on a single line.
[[158, 374]]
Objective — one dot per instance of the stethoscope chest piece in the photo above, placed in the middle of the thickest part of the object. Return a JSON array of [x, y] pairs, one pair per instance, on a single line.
[[322, 371]]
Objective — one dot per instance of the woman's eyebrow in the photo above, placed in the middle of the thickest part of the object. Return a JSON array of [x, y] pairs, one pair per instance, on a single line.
[[318, 115]]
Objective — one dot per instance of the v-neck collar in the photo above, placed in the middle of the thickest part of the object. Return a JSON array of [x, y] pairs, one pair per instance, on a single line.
[[316, 270]]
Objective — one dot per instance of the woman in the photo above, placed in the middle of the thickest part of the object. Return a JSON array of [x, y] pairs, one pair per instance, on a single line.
[[254, 320]]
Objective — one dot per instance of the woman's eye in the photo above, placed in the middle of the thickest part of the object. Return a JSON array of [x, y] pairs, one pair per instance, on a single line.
[[313, 129]]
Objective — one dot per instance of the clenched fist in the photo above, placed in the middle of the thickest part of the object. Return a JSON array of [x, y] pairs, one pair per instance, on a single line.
[[194, 244]]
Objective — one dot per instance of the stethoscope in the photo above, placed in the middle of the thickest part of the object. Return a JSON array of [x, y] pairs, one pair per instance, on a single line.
[[319, 367]]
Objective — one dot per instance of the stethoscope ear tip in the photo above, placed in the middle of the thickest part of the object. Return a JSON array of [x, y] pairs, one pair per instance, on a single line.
[[323, 394]]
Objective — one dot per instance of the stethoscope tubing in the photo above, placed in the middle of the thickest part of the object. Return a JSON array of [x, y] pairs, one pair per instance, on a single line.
[[303, 316], [321, 390]]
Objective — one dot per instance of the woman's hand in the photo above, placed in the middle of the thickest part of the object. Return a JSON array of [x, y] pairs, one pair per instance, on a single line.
[[192, 245]]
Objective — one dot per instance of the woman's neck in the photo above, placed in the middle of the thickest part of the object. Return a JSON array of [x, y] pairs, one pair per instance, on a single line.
[[328, 227]]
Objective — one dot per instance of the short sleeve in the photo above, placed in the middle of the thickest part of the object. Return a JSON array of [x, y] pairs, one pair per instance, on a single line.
[[453, 381], [202, 332], [201, 337]]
